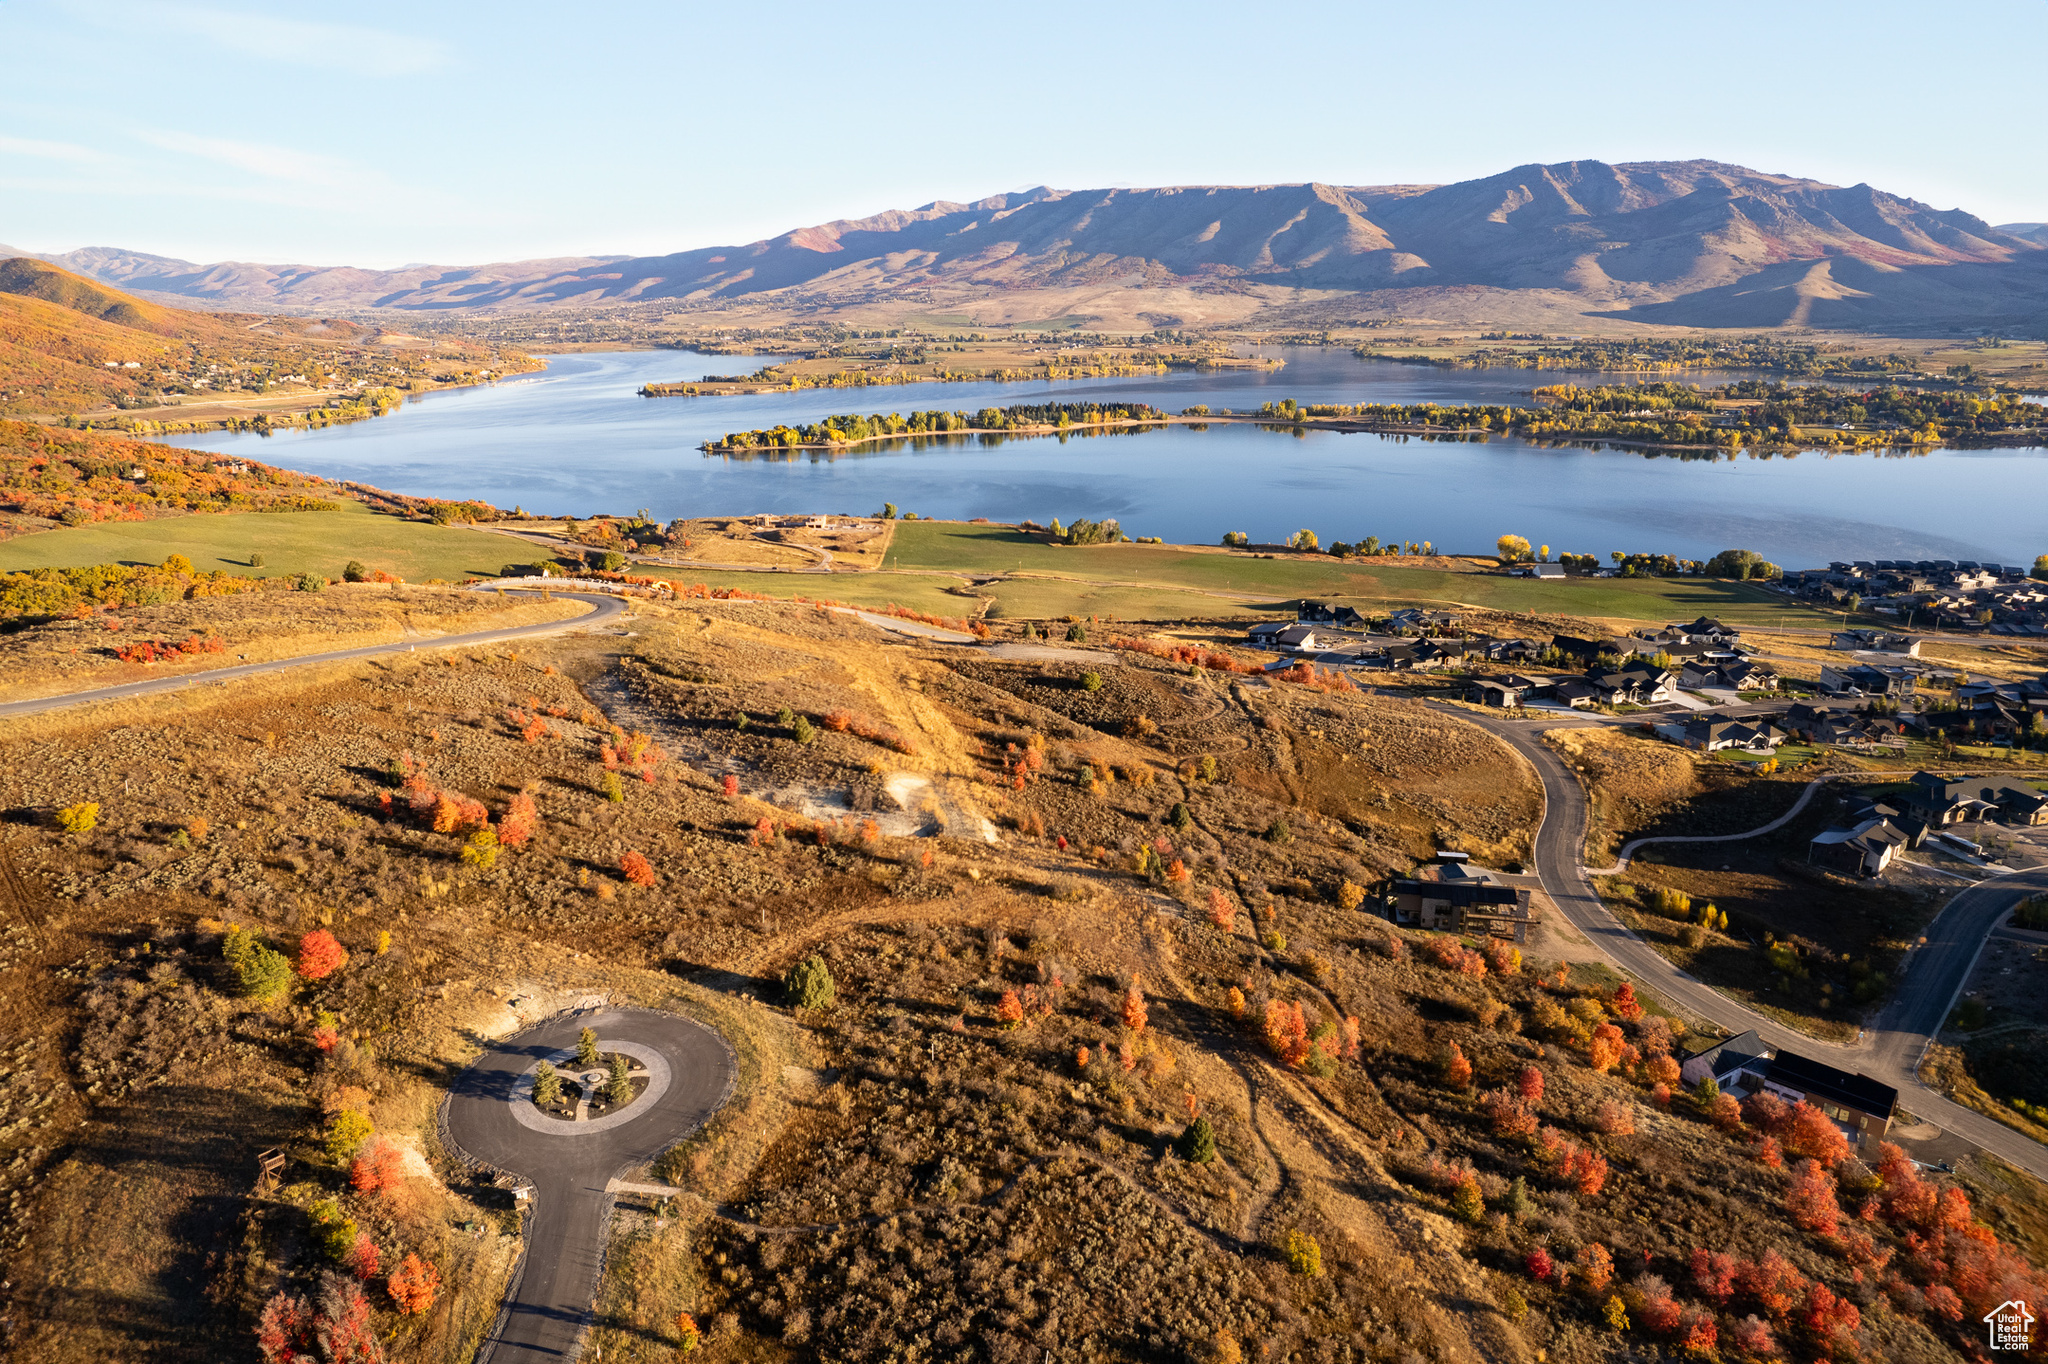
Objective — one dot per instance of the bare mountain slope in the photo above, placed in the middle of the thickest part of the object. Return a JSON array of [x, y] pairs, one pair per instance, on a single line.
[[1586, 236], [240, 284]]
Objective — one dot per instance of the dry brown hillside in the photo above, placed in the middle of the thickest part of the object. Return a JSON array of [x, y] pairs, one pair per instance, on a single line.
[[1081, 908], [1687, 243], [69, 344]]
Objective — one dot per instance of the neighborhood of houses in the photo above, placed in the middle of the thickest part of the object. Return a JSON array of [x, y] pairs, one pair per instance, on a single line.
[[1682, 667], [1878, 830], [1662, 671], [1935, 594]]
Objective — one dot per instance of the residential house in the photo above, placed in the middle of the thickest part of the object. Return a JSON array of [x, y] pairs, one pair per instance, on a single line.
[[1862, 1107], [1506, 692], [1324, 613], [1414, 620], [1842, 728], [1458, 898], [1547, 572], [1275, 634], [1941, 802], [1586, 649], [1512, 650], [1706, 630], [1876, 641], [1740, 674], [1633, 684], [1864, 810], [1575, 692], [1865, 850], [1870, 679], [1712, 733], [1725, 1063]]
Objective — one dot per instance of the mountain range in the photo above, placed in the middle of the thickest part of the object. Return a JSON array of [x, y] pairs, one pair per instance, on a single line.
[[1692, 243]]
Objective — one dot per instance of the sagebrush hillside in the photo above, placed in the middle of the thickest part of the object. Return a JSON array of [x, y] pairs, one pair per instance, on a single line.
[[1120, 1066]]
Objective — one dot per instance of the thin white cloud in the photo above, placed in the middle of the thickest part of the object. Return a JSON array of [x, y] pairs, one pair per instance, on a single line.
[[354, 48], [54, 151], [259, 158]]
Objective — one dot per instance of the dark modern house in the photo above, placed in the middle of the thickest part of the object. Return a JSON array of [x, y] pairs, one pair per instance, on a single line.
[[1862, 1107], [1454, 896]]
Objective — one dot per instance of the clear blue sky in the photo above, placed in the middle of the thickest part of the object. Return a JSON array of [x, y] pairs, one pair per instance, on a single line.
[[380, 133]]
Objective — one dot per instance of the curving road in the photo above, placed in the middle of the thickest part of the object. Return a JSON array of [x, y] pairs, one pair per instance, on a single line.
[[571, 1165], [604, 608], [1889, 1050]]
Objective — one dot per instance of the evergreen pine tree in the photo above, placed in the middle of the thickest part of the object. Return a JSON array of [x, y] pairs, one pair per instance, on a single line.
[[809, 984]]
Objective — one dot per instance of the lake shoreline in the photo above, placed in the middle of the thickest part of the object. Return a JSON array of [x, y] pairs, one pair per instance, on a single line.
[[576, 439], [2021, 438]]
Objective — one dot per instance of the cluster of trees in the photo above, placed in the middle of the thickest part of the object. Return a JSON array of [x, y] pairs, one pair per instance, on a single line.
[[1744, 564], [1751, 412], [1751, 352], [45, 593], [1923, 413], [1438, 416], [375, 402], [1370, 547], [1086, 532], [852, 428]]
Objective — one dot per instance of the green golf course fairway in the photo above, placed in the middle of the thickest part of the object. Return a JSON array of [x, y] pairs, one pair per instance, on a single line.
[[1125, 582], [290, 542], [937, 546]]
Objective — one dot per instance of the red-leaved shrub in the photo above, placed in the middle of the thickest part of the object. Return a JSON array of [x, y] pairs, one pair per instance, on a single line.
[[320, 956]]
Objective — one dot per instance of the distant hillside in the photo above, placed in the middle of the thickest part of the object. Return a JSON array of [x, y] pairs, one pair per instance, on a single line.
[[2033, 232], [37, 279], [69, 344], [1689, 243], [239, 284]]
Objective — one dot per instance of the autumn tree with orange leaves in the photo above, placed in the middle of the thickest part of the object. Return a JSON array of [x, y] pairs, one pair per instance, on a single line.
[[1134, 1007], [414, 1285]]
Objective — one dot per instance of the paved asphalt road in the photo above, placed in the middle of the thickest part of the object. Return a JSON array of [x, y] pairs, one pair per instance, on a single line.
[[556, 1284], [607, 607], [1889, 1051]]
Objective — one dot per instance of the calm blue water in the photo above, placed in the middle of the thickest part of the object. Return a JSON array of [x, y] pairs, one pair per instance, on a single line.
[[577, 439]]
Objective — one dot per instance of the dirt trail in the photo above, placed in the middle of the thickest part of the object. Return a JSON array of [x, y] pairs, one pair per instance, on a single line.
[[926, 808]]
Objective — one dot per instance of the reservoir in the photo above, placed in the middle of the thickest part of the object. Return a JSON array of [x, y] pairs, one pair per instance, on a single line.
[[578, 439]]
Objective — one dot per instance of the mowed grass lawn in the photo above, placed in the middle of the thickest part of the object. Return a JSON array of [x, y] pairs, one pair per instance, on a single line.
[[290, 542], [941, 546]]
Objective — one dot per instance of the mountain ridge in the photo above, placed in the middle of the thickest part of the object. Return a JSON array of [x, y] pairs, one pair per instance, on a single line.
[[1588, 237]]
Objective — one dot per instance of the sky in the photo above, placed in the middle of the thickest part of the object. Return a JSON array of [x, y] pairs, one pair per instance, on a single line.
[[379, 134]]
